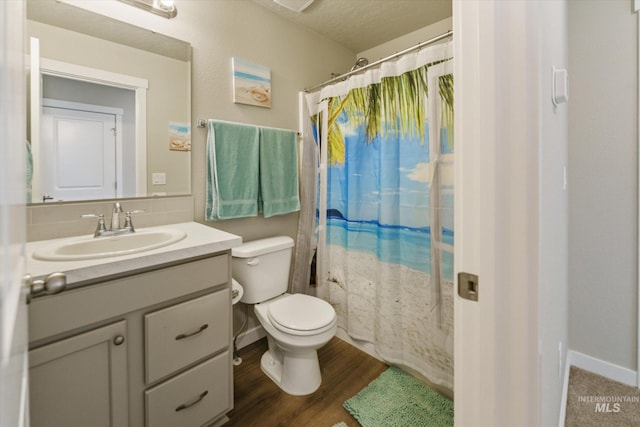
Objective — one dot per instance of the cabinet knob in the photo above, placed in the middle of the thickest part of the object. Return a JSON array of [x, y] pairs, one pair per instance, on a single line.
[[118, 340]]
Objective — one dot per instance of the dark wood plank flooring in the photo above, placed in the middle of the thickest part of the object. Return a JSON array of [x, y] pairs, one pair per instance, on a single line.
[[259, 402]]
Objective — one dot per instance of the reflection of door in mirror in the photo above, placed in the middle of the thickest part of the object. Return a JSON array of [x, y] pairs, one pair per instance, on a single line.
[[90, 96], [81, 151]]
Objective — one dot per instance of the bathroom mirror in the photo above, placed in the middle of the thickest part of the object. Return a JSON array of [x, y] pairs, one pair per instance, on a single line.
[[125, 90]]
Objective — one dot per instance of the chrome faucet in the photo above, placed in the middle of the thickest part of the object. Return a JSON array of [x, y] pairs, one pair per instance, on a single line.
[[115, 216], [101, 230]]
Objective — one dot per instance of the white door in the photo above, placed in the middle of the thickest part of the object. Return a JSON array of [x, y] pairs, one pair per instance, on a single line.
[[13, 318], [78, 154]]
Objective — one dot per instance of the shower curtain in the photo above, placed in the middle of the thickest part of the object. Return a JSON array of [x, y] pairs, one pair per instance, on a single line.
[[385, 218]]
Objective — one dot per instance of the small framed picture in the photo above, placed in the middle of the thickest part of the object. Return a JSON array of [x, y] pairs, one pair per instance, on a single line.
[[179, 136], [251, 83]]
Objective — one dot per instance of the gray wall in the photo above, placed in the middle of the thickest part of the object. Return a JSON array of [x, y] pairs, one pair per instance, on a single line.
[[297, 58], [603, 180]]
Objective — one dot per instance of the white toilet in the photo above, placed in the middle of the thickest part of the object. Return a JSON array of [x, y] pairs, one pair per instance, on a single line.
[[296, 324]]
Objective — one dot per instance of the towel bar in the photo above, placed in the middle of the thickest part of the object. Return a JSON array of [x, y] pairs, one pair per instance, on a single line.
[[202, 123]]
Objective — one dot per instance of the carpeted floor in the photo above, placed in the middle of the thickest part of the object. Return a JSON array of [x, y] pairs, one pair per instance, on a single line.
[[596, 401], [396, 399]]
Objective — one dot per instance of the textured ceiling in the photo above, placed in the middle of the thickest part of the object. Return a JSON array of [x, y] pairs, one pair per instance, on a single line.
[[362, 24]]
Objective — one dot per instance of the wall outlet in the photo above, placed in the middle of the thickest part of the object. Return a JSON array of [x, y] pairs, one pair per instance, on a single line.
[[158, 178]]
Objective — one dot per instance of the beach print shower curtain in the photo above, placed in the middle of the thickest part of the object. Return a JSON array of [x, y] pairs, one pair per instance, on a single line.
[[385, 257]]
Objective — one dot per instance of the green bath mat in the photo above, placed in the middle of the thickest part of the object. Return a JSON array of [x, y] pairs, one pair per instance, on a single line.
[[396, 399]]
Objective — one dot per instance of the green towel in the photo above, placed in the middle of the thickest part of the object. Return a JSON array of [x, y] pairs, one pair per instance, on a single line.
[[278, 171], [232, 171]]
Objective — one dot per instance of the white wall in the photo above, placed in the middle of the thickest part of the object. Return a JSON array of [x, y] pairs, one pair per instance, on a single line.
[[603, 181]]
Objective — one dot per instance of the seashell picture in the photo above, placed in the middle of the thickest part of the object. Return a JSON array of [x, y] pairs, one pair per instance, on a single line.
[[251, 83]]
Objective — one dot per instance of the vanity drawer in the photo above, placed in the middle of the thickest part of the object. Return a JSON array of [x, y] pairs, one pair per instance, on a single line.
[[184, 333], [191, 398]]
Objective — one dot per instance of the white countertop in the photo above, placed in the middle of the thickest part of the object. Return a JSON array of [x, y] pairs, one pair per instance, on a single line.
[[201, 240]]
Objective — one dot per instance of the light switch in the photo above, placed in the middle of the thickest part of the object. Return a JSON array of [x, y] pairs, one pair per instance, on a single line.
[[560, 86], [158, 178]]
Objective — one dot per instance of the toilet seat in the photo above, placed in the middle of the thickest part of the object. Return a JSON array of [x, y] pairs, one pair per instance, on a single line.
[[300, 314]]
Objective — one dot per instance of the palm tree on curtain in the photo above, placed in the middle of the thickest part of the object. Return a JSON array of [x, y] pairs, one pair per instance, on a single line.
[[396, 104]]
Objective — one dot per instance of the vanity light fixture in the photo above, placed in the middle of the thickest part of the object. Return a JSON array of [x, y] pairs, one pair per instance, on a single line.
[[166, 8]]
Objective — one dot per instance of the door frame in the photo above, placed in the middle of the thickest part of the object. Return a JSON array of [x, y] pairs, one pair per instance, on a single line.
[[14, 387], [497, 208]]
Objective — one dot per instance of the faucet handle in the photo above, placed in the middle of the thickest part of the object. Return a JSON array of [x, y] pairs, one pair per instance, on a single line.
[[101, 225], [128, 223]]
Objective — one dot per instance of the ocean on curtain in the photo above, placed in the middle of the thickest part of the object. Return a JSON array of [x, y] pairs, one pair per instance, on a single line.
[[387, 264]]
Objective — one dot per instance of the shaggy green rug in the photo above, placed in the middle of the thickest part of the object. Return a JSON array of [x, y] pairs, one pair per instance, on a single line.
[[396, 399]]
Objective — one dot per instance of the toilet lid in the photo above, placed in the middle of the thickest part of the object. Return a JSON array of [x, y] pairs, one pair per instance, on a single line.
[[300, 312]]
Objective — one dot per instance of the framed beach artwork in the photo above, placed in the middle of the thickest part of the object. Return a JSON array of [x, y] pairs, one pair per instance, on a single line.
[[179, 136], [251, 83]]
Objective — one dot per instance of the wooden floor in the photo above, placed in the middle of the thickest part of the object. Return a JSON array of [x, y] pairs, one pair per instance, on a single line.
[[259, 402]]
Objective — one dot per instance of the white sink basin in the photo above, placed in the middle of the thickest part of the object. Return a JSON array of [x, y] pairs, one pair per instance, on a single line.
[[104, 247]]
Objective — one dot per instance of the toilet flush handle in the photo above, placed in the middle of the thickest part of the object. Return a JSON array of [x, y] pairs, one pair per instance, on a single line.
[[253, 261]]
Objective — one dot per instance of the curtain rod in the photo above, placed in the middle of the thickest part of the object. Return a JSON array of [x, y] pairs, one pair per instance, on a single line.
[[380, 61]]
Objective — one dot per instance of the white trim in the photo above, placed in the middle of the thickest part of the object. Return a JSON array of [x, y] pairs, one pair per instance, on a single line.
[[35, 114], [636, 8], [141, 141], [71, 105], [66, 70], [608, 370], [565, 392], [365, 346], [250, 336]]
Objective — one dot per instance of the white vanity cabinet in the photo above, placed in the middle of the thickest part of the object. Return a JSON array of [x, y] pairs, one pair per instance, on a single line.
[[149, 349]]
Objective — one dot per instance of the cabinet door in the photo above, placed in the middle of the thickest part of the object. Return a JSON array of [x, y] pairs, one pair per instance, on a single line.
[[81, 381]]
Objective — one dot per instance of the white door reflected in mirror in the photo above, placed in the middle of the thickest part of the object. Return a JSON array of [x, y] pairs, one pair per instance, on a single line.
[[80, 152]]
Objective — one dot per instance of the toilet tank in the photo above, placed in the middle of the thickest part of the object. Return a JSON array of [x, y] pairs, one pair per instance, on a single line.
[[262, 268]]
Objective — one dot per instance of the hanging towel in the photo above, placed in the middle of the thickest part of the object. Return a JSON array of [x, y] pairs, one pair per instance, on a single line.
[[233, 154], [278, 171]]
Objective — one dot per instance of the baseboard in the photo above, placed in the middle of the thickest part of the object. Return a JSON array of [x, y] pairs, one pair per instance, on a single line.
[[605, 369], [367, 347], [565, 390], [596, 366], [250, 336]]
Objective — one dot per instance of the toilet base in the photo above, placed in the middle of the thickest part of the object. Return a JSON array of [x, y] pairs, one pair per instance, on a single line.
[[296, 374]]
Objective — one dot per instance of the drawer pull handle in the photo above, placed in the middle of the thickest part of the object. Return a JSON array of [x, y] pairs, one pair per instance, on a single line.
[[190, 404], [190, 334]]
